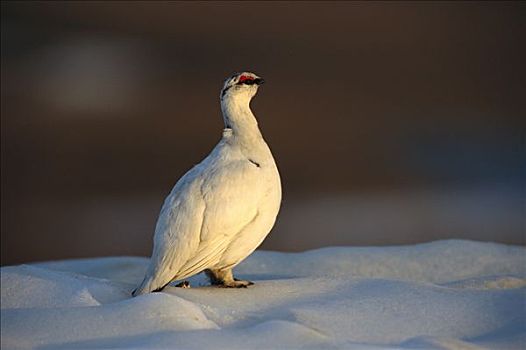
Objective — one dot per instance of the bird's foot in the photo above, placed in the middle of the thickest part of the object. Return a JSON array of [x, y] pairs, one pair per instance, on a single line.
[[225, 279], [236, 283], [184, 284]]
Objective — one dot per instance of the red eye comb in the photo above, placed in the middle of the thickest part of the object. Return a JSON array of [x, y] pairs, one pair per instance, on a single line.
[[245, 78]]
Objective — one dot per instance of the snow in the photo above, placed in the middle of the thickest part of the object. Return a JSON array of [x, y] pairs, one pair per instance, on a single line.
[[441, 295]]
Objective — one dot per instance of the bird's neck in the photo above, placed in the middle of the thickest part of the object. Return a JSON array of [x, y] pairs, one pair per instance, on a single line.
[[239, 118]]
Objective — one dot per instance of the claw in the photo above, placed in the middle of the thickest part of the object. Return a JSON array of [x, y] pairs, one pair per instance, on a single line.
[[184, 284]]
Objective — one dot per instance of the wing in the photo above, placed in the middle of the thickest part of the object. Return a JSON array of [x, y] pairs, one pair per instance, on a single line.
[[231, 197], [199, 219]]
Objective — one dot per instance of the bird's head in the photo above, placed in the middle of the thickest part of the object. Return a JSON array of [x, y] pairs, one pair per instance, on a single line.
[[241, 85]]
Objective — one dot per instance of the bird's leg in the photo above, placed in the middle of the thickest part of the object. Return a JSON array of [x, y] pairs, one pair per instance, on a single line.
[[224, 278]]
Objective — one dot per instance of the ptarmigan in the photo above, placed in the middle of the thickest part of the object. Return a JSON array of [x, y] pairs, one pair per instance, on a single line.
[[220, 211]]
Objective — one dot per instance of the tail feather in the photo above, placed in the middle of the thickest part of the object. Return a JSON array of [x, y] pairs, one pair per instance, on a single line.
[[143, 288], [148, 286]]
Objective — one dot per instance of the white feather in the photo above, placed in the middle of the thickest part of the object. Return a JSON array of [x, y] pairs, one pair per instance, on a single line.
[[222, 209]]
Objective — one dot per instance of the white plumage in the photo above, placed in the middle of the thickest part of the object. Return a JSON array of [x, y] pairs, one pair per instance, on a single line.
[[220, 211]]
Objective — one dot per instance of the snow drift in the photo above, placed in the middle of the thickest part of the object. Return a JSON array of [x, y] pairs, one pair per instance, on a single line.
[[440, 295]]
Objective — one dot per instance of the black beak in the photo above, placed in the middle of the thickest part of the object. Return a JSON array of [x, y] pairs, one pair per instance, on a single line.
[[259, 81]]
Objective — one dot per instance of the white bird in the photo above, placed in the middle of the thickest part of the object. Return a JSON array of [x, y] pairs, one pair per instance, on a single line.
[[221, 210]]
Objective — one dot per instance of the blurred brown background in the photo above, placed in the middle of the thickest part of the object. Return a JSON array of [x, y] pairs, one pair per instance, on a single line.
[[392, 123]]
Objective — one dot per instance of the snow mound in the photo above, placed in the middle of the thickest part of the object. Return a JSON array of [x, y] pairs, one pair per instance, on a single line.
[[440, 295], [26, 328], [34, 287], [436, 262]]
